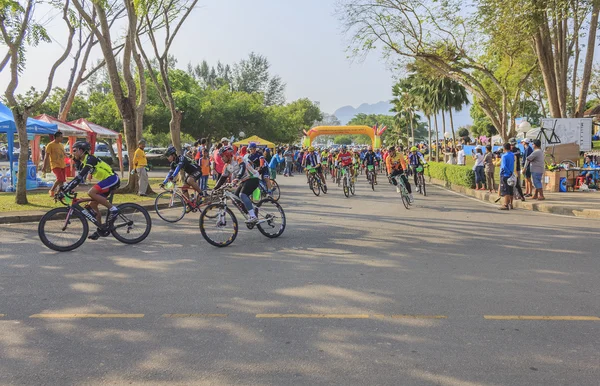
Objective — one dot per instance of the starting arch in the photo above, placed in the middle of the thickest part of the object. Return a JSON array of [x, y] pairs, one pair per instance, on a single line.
[[372, 132]]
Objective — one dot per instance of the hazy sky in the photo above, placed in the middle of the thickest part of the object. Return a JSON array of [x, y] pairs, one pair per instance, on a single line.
[[302, 39]]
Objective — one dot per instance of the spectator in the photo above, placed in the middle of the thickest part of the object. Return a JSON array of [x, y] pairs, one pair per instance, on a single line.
[[462, 159], [55, 160], [205, 169], [535, 161], [591, 177], [517, 152], [479, 169], [526, 169], [507, 169], [218, 163], [490, 169], [451, 156], [139, 165], [224, 141], [274, 163], [289, 162]]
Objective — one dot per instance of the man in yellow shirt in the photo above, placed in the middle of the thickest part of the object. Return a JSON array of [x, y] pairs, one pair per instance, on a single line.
[[139, 164], [55, 160]]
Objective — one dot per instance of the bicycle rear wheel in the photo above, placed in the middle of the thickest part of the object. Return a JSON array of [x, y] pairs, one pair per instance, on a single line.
[[218, 225], [132, 225], [60, 234], [170, 206], [314, 186], [405, 200], [271, 218]]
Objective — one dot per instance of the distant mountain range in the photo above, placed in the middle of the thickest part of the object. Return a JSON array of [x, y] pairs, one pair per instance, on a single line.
[[346, 113]]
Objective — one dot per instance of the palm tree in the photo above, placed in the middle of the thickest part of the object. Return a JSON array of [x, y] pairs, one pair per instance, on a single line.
[[455, 97]]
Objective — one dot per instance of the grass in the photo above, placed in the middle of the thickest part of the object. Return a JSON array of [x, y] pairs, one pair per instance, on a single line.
[[40, 200], [596, 144]]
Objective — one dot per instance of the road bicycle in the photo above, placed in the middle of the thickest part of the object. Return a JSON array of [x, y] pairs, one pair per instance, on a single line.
[[219, 226], [172, 205], [421, 180], [371, 176], [403, 191], [347, 182], [264, 191], [314, 182], [66, 228]]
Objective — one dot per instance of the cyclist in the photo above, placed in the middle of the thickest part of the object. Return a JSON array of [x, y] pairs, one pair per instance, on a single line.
[[259, 163], [193, 171], [370, 159], [243, 174], [416, 159], [344, 159], [101, 171], [396, 165], [314, 160]]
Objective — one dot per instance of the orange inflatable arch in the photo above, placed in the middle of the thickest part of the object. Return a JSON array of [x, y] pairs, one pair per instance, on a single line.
[[338, 130]]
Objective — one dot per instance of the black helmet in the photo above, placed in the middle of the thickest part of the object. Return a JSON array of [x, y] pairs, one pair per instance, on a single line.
[[170, 151], [82, 145]]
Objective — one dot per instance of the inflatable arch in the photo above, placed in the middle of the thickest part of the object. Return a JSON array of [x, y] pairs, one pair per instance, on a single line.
[[372, 132]]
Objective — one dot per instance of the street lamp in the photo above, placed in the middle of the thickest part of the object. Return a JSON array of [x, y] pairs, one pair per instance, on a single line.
[[524, 127], [242, 134], [447, 135]]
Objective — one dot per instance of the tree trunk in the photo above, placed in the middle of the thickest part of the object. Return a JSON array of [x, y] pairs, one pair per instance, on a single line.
[[543, 49], [412, 128], [175, 128], [128, 113], [452, 127], [21, 190], [437, 137], [589, 61], [429, 127]]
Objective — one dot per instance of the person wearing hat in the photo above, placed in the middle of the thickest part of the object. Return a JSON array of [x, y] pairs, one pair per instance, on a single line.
[[527, 150], [225, 141], [479, 168], [139, 166]]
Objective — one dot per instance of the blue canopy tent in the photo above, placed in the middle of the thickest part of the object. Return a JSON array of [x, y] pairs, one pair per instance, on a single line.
[[9, 127]]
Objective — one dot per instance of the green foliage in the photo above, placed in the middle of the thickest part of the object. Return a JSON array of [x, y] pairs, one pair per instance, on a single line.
[[463, 132], [453, 174], [343, 140]]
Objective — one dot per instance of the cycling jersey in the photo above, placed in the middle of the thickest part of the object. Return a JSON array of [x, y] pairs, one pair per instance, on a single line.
[[100, 170], [370, 158], [187, 165], [395, 162], [345, 159], [416, 159], [240, 170], [313, 159]]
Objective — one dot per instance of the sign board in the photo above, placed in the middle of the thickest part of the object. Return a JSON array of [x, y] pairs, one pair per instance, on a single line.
[[569, 130]]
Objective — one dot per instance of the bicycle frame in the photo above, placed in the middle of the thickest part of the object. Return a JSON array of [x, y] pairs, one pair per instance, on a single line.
[[225, 195], [73, 203]]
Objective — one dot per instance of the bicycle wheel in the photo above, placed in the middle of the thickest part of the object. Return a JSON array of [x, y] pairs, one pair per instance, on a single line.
[[405, 200], [372, 180], [271, 218], [276, 193], [218, 225], [346, 188], [132, 225], [324, 188], [60, 234], [314, 186], [423, 190], [170, 206]]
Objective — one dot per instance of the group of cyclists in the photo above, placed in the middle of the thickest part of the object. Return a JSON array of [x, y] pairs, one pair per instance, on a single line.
[[393, 161]]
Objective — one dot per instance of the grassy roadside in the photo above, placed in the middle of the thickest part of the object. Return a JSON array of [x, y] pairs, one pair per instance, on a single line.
[[40, 200]]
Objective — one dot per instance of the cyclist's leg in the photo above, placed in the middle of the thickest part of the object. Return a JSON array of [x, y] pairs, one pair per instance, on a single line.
[[415, 174], [193, 182], [406, 182], [98, 191], [245, 191]]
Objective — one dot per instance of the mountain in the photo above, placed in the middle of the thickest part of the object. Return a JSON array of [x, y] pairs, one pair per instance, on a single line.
[[346, 113]]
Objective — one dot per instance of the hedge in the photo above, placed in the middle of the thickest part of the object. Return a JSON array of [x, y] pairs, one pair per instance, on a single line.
[[453, 174]]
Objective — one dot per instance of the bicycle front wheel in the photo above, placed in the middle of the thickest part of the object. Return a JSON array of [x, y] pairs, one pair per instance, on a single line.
[[314, 186], [346, 188], [405, 200], [218, 225], [61, 231], [352, 188], [423, 190], [275, 192], [170, 206], [271, 218], [132, 225]]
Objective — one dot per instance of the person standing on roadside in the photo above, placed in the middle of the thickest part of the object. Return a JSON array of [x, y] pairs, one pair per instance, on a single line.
[[55, 160], [527, 167], [461, 161], [507, 169], [518, 156], [490, 169], [139, 165], [479, 169], [218, 163], [535, 161]]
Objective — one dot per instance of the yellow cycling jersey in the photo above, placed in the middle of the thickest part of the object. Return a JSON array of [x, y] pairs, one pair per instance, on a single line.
[[100, 169]]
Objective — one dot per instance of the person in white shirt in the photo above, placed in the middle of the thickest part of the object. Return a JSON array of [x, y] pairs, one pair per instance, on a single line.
[[479, 168], [461, 156]]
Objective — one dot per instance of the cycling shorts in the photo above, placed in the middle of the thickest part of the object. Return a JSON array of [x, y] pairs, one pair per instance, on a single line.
[[108, 184]]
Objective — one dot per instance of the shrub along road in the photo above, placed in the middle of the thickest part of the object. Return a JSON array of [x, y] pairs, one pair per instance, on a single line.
[[356, 291]]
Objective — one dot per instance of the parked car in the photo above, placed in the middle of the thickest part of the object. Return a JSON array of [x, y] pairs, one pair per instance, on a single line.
[[156, 157]]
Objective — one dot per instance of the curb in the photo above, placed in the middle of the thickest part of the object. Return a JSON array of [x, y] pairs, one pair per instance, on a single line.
[[29, 216], [534, 206]]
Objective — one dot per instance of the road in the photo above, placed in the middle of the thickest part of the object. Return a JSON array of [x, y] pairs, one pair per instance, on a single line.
[[357, 291]]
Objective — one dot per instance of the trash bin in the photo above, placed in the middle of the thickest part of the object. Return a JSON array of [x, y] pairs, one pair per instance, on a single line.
[[31, 180], [563, 184]]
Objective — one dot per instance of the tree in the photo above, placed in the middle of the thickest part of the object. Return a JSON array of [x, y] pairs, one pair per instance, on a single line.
[[20, 29], [252, 76], [463, 132], [172, 13], [343, 140]]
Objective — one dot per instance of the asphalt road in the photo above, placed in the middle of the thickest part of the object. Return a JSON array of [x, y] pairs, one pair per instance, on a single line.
[[357, 291]]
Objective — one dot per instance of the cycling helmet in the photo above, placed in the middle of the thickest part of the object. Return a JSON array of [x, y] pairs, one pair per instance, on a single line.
[[82, 145], [311, 149], [226, 150], [170, 151], [392, 148], [414, 148], [344, 147], [252, 145]]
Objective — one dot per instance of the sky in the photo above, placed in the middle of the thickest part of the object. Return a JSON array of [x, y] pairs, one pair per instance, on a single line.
[[302, 39]]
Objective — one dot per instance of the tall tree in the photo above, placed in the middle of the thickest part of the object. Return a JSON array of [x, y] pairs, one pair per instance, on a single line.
[[20, 29], [252, 76]]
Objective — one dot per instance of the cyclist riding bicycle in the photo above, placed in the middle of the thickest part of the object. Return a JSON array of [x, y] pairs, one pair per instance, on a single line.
[[108, 181], [416, 159], [243, 175], [259, 163], [345, 159], [370, 162], [396, 165], [193, 171], [313, 160]]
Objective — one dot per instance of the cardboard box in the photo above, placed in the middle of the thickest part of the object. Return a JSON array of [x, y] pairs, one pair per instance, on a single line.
[[551, 180], [567, 151]]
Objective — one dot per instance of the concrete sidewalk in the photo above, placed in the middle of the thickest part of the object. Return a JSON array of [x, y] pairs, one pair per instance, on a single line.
[[578, 204]]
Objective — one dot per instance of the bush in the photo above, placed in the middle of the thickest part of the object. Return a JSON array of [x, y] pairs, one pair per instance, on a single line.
[[454, 174]]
